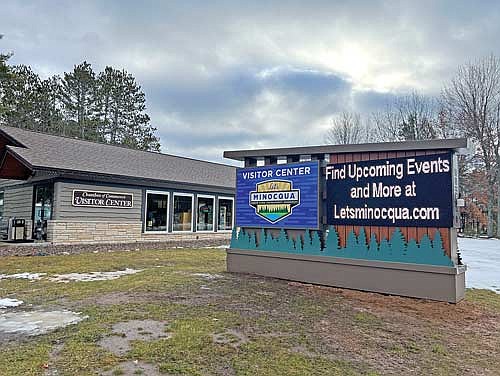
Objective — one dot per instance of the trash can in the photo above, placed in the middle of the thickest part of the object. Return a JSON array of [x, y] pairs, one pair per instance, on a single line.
[[17, 229]]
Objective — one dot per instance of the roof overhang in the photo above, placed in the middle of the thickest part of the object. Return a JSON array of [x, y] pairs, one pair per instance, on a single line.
[[458, 144], [14, 167], [89, 176]]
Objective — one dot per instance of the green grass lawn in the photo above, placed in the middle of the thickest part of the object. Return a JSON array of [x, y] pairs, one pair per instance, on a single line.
[[287, 328]]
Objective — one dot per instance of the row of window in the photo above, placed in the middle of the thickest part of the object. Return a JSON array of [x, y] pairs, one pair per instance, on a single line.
[[207, 215]]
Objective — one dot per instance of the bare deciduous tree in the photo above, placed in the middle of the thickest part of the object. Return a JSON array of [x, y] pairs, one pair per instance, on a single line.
[[411, 117], [472, 103], [346, 128], [385, 125]]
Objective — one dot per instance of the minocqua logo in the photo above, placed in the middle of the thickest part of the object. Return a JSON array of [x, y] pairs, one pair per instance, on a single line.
[[274, 200]]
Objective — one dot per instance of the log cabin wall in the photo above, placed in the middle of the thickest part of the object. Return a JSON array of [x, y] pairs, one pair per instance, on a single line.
[[384, 231]]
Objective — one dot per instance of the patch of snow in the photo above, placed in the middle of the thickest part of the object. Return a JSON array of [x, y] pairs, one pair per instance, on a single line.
[[29, 276], [482, 257], [37, 322], [208, 276], [9, 303], [93, 276]]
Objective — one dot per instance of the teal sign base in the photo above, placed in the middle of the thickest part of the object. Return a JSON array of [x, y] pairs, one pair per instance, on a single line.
[[395, 249]]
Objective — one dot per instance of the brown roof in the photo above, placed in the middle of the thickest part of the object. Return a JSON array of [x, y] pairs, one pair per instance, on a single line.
[[44, 151]]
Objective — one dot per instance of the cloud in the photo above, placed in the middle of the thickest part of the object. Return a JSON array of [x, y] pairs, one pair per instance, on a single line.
[[229, 75]]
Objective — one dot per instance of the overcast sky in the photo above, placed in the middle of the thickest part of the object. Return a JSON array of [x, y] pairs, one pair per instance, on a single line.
[[252, 74]]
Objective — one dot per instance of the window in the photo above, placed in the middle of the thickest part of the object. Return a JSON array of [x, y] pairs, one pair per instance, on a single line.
[[156, 211], [205, 213], [225, 213], [183, 212]]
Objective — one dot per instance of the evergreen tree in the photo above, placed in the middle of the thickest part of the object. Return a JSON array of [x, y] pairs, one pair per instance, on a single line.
[[48, 112], [78, 98], [241, 239], [385, 250], [332, 241], [437, 243], [298, 243], [425, 244], [121, 106], [246, 239], [362, 246], [307, 242], [351, 247], [251, 241], [373, 247], [4, 68], [412, 251], [110, 108], [5, 76], [398, 243], [282, 240], [291, 244], [21, 94], [262, 239], [234, 239], [315, 242]]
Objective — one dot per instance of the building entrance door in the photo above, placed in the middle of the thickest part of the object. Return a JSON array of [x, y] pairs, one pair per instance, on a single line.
[[42, 210]]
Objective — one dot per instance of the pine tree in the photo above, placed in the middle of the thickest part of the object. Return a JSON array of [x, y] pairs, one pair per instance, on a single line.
[[262, 239], [251, 241], [77, 94], [20, 97], [291, 244], [307, 242], [234, 239], [298, 243], [121, 106], [385, 250], [110, 108], [48, 113], [315, 242], [437, 243], [362, 246], [282, 240], [412, 251], [373, 252], [351, 248], [5, 76], [425, 244], [242, 237], [332, 241], [398, 243]]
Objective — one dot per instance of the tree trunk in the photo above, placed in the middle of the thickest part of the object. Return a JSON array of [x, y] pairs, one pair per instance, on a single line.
[[491, 205], [498, 200]]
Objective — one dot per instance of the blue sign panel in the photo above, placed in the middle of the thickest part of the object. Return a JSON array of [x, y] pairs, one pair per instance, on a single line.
[[282, 196], [409, 191]]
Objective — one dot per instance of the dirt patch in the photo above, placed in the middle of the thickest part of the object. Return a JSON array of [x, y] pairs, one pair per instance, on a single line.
[[116, 298], [133, 368], [46, 249], [231, 337], [208, 276], [50, 369], [399, 335], [135, 330]]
